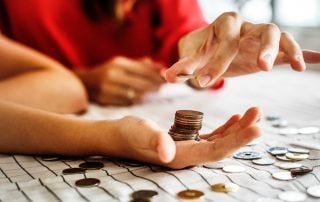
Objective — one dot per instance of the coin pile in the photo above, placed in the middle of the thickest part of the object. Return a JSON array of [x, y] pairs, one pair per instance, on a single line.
[[187, 124]]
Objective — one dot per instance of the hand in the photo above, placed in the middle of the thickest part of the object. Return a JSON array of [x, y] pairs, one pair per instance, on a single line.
[[232, 47], [122, 81], [143, 140]]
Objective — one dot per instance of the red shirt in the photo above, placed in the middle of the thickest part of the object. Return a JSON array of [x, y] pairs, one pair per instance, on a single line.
[[62, 30]]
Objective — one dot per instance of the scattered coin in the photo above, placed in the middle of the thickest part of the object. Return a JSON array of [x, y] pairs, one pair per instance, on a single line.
[[300, 171], [280, 123], [288, 166], [273, 117], [214, 165], [292, 196], [233, 169], [190, 194], [187, 124], [92, 165], [263, 161], [224, 187], [296, 157], [132, 163], [283, 158], [50, 158], [144, 194], [277, 150], [298, 150], [314, 191], [285, 176], [87, 182], [140, 200], [95, 158], [70, 171], [309, 130], [289, 131], [247, 155]]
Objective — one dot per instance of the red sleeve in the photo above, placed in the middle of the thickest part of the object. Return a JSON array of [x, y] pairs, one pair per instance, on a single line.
[[177, 17]]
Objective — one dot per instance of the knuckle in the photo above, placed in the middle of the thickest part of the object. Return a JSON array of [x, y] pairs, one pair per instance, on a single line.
[[232, 14], [271, 26], [286, 35]]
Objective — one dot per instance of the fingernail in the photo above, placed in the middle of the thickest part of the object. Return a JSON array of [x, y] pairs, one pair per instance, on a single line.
[[268, 58], [299, 58], [204, 80]]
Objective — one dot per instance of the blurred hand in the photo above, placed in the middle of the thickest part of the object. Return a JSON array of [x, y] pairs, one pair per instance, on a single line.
[[143, 140], [122, 81], [232, 47]]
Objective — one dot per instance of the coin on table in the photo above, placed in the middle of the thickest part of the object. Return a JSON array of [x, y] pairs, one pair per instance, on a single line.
[[263, 161], [292, 196], [247, 155], [144, 194], [314, 191], [92, 165], [224, 187], [94, 158], [233, 169], [289, 131], [140, 200], [190, 194], [277, 150], [296, 157], [298, 150], [214, 165], [285, 176], [300, 171], [70, 171], [87, 182], [288, 166], [309, 130], [50, 158], [283, 158]]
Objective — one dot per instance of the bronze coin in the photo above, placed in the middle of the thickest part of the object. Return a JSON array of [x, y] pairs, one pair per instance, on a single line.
[[70, 171], [144, 194], [300, 171], [92, 165], [50, 158], [190, 194], [87, 182]]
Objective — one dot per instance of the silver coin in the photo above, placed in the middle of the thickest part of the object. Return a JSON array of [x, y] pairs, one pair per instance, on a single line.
[[280, 123], [297, 157], [87, 182], [298, 150], [283, 158], [289, 131], [309, 130], [284, 176], [70, 171], [92, 165], [292, 196], [263, 161], [247, 155], [277, 150], [314, 191], [233, 169], [214, 165], [144, 194], [288, 166]]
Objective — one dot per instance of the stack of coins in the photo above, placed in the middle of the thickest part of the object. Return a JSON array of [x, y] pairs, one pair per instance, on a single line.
[[187, 124]]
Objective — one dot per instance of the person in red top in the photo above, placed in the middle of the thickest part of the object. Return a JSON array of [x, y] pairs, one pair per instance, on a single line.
[[118, 47]]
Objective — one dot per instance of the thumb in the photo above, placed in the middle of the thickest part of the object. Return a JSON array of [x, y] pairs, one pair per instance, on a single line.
[[165, 148]]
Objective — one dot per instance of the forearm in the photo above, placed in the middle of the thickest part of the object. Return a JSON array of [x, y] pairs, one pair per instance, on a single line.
[[30, 131], [45, 89]]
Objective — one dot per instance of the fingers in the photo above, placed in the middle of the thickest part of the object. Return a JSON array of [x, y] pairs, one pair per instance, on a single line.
[[227, 31], [293, 51], [270, 37], [221, 129], [311, 56]]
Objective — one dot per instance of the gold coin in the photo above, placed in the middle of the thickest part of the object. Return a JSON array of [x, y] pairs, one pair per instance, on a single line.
[[190, 194], [224, 187]]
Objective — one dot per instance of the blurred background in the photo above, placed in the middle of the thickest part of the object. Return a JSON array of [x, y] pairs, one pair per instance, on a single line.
[[299, 17]]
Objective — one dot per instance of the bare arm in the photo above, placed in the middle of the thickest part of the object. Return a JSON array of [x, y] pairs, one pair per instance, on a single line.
[[30, 78]]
